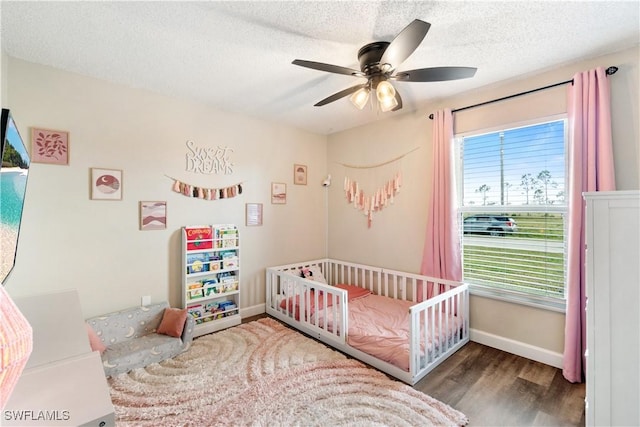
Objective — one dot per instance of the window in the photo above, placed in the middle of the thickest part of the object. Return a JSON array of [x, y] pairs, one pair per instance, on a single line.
[[512, 212]]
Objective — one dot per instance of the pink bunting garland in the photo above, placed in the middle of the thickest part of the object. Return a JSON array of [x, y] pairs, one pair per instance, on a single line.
[[189, 190]]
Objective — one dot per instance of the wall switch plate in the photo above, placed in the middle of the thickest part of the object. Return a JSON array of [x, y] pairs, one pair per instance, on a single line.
[[146, 300]]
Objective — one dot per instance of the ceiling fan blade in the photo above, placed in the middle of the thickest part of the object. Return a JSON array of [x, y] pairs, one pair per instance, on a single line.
[[405, 43], [328, 68], [435, 74], [339, 95], [399, 99]]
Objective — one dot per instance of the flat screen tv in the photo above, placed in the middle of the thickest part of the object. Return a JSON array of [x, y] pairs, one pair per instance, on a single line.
[[14, 172]]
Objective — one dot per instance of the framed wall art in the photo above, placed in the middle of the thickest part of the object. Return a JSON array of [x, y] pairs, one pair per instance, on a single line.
[[278, 193], [106, 184], [49, 146], [253, 214], [153, 215], [300, 174]]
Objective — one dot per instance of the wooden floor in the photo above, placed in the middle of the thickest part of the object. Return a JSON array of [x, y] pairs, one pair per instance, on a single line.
[[495, 388]]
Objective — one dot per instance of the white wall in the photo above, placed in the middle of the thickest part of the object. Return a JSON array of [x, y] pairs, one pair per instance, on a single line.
[[70, 241], [396, 237]]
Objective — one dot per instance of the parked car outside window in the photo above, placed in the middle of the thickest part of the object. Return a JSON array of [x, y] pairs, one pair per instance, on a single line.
[[494, 225]]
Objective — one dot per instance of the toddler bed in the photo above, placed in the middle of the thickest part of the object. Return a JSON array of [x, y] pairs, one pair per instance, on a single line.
[[372, 313]]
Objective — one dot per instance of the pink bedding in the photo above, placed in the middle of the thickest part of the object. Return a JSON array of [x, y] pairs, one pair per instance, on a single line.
[[379, 326]]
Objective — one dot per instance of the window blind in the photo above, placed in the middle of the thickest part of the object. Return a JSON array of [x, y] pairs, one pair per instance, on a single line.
[[513, 209]]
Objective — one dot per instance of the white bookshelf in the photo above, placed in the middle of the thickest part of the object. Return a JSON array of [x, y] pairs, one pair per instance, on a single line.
[[211, 276]]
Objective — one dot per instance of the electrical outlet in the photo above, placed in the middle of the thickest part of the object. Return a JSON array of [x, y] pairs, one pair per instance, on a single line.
[[146, 300]]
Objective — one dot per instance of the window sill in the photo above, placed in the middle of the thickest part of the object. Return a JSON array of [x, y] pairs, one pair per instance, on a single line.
[[545, 303]]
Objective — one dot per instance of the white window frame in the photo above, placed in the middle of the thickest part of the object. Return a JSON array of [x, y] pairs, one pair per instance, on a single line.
[[548, 303]]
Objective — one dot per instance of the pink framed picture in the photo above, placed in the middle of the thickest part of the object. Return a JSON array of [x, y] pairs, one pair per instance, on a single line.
[[153, 215], [278, 193], [106, 184], [49, 146]]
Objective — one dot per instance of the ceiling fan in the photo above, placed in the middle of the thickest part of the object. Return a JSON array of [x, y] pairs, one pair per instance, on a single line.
[[378, 63]]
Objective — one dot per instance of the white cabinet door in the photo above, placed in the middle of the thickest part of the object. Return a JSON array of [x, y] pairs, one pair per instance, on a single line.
[[613, 308]]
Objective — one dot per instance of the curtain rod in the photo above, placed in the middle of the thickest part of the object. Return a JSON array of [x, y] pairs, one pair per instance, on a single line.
[[611, 70]]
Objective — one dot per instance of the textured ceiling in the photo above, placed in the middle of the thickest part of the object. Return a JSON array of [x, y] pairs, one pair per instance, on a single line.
[[236, 56]]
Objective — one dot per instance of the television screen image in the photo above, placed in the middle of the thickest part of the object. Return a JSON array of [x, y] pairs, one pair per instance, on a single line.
[[14, 172]]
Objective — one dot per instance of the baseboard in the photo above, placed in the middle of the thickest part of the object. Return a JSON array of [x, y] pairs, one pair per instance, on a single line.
[[516, 347], [253, 310]]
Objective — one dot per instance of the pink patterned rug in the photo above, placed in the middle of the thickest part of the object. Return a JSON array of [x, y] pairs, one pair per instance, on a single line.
[[264, 374]]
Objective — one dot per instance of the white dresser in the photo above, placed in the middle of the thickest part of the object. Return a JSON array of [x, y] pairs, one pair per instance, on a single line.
[[63, 383], [613, 308]]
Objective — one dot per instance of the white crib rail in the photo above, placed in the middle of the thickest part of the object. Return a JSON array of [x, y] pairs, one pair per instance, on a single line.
[[316, 308], [438, 327]]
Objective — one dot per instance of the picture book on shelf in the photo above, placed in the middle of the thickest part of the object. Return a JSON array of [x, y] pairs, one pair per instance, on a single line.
[[195, 285], [226, 277], [197, 263], [229, 287], [199, 238], [196, 293], [229, 259], [211, 287], [214, 261], [195, 310], [226, 237]]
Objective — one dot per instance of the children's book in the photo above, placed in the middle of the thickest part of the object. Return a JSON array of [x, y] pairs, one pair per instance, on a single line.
[[196, 293], [195, 310], [199, 237], [197, 263]]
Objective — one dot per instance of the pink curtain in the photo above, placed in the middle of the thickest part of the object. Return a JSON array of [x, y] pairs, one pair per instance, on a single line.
[[590, 169], [441, 256]]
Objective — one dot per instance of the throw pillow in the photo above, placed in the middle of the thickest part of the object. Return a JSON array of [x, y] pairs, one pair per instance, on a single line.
[[94, 340], [354, 292], [313, 273], [172, 322]]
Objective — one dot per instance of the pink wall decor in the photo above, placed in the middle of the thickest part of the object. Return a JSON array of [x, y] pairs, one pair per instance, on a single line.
[[278, 193], [153, 215], [106, 184], [49, 146], [206, 193]]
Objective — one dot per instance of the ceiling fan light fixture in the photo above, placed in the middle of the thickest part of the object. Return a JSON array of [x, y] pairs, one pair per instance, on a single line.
[[385, 92], [378, 64], [388, 104], [360, 98]]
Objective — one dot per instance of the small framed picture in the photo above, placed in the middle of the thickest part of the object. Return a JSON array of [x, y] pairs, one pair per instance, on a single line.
[[50, 146], [253, 214], [153, 215], [300, 174], [106, 184], [278, 193]]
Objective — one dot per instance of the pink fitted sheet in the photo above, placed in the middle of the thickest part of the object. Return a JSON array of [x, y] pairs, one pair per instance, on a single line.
[[379, 326]]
